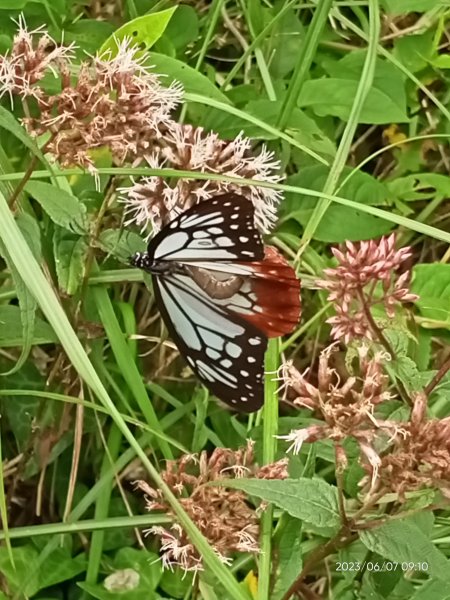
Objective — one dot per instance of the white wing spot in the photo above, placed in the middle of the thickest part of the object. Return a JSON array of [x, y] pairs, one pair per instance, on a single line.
[[213, 354], [199, 235], [235, 216], [211, 339], [244, 373], [224, 242], [226, 362], [233, 350], [243, 239], [251, 359], [254, 341], [234, 226], [244, 399], [215, 230]]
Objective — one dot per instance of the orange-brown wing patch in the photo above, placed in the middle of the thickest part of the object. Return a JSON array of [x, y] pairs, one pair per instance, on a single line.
[[275, 293]]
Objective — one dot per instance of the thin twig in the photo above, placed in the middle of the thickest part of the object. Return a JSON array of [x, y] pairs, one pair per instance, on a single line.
[[438, 377]]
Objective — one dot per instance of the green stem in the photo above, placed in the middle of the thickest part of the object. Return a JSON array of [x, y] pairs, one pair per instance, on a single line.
[[270, 430], [306, 56]]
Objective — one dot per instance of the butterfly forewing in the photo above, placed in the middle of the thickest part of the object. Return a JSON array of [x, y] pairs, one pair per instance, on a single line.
[[225, 351], [221, 295], [219, 229]]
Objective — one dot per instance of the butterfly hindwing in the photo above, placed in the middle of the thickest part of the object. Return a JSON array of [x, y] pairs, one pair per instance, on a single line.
[[222, 228], [225, 351]]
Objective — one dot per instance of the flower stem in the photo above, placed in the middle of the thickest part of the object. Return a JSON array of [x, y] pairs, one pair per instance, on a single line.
[[384, 342], [443, 370]]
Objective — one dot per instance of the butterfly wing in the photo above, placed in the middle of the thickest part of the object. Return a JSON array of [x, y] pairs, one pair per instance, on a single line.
[[222, 329], [224, 350], [220, 229]]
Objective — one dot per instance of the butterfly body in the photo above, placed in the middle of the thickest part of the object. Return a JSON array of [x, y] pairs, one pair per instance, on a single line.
[[221, 295]]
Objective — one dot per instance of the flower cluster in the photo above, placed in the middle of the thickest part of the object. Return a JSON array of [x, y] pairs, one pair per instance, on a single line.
[[420, 457], [222, 515], [346, 407], [366, 276], [113, 101], [153, 202]]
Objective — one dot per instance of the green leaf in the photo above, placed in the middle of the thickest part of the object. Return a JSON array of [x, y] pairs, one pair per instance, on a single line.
[[415, 52], [137, 574], [193, 81], [70, 253], [299, 125], [183, 27], [21, 415], [88, 34], [420, 186], [432, 590], [59, 566], [400, 7], [432, 284], [334, 97], [27, 303], [121, 244], [63, 209], [340, 223], [385, 102], [177, 584], [402, 541], [147, 563], [12, 4], [311, 500], [289, 563], [143, 31], [11, 328], [286, 41], [8, 122]]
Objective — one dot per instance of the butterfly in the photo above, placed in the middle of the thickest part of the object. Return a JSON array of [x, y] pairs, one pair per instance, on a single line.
[[222, 294]]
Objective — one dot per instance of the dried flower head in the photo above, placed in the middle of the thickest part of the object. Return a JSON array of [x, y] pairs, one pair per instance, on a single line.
[[113, 102], [152, 202], [222, 515], [366, 275], [419, 458], [33, 54], [346, 407]]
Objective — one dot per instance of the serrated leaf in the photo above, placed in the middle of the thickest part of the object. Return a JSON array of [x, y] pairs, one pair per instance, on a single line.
[[311, 500], [404, 542], [143, 31], [120, 243], [70, 253], [63, 209], [432, 284]]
